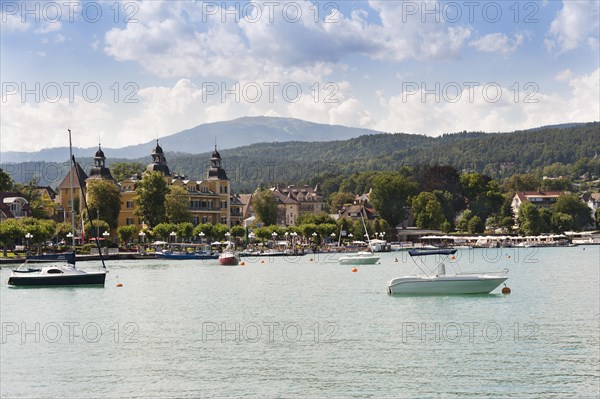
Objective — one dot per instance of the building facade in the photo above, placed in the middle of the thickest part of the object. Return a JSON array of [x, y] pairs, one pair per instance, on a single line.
[[293, 202], [209, 200]]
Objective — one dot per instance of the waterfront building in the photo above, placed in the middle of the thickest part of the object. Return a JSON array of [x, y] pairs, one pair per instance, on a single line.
[[210, 200], [293, 202], [541, 199], [12, 205]]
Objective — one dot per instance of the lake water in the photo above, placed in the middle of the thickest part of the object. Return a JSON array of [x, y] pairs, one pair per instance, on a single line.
[[307, 327]]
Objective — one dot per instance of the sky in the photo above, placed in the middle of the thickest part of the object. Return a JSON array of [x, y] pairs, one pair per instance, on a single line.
[[127, 72]]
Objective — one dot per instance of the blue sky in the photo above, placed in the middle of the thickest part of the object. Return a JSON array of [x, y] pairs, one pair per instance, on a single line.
[[127, 72]]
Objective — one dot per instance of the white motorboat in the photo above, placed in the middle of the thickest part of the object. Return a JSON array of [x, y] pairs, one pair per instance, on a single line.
[[440, 283], [359, 258]]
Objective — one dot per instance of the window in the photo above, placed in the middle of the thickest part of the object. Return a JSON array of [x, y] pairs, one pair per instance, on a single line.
[[129, 221], [224, 219], [223, 204], [129, 204], [204, 219]]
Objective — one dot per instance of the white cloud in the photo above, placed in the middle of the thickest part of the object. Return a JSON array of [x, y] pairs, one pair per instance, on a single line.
[[576, 24], [13, 23], [564, 75], [44, 124], [498, 43], [181, 39], [48, 27], [418, 112]]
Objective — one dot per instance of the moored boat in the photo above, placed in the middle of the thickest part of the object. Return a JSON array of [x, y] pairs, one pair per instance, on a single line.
[[198, 255], [53, 273], [229, 258], [445, 284], [359, 258]]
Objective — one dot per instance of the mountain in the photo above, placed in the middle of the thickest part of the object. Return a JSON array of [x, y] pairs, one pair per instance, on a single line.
[[498, 155], [230, 134]]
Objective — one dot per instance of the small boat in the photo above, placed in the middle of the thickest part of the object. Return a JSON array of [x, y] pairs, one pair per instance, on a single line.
[[229, 258], [198, 255], [51, 272], [59, 269], [442, 283], [359, 258]]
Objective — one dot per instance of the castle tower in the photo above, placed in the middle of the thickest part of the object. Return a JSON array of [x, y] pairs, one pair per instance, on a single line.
[[159, 162], [99, 170]]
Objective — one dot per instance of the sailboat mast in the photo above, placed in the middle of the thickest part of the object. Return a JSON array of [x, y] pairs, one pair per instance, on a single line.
[[71, 190]]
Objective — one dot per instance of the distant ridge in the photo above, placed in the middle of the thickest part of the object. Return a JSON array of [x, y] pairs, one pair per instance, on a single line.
[[200, 139]]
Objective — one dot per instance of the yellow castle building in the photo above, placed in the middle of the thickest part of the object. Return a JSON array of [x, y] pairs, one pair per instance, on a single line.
[[210, 200]]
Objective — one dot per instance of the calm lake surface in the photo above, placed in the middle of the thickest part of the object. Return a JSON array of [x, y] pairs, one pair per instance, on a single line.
[[300, 328]]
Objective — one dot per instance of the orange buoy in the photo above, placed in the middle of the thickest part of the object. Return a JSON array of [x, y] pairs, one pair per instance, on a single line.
[[262, 261], [242, 263], [453, 257], [310, 260], [505, 290], [354, 270], [119, 285]]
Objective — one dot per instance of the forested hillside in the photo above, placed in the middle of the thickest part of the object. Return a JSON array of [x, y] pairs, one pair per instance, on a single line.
[[498, 155]]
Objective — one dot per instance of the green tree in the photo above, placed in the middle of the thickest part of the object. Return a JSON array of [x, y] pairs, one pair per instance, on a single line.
[[446, 227], [262, 233], [124, 170], [10, 230], [206, 229], [104, 201], [238, 231], [475, 225], [463, 222], [326, 229], [126, 233], [307, 230], [428, 211], [150, 198], [390, 196], [185, 230], [6, 183], [61, 231], [570, 204], [177, 205], [318, 218], [521, 182], [339, 199], [30, 192], [530, 221], [219, 231], [100, 226], [561, 222], [597, 217], [163, 231], [265, 207]]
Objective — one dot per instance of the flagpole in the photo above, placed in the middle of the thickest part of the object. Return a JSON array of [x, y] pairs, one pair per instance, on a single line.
[[71, 183]]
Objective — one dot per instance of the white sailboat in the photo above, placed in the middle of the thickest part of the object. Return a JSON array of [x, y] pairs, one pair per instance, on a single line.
[[361, 257], [59, 270]]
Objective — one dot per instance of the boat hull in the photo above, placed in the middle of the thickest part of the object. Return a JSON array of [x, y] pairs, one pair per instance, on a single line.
[[358, 260], [56, 280], [444, 285], [229, 260], [186, 257]]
